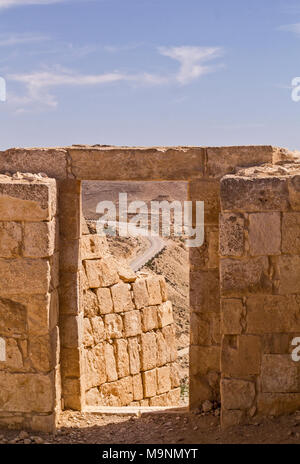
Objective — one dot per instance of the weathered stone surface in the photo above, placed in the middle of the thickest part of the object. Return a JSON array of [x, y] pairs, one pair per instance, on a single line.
[[140, 294], [237, 394], [169, 333], [10, 239], [148, 351], [71, 330], [121, 297], [43, 423], [149, 383], [279, 374], [134, 355], [163, 288], [291, 233], [110, 363], [91, 304], [22, 200], [273, 314], [126, 273], [244, 277], [232, 311], [98, 329], [26, 392], [119, 393], [289, 269], [277, 343], [162, 350], [71, 362], [254, 194], [207, 191], [163, 379], [12, 318], [276, 404], [165, 314], [92, 397], [93, 246], [132, 323], [39, 239], [29, 276], [153, 286], [232, 241], [14, 358], [205, 290], [121, 163], [113, 326], [174, 375], [95, 369], [122, 357], [294, 192], [264, 233], [105, 300], [41, 352], [223, 160], [204, 359], [149, 318], [241, 357], [101, 272], [137, 385]]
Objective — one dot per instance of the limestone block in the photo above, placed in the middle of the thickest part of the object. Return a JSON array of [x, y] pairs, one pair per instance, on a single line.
[[223, 160], [70, 293], [122, 357], [163, 353], [244, 277], [26, 392], [40, 352], [205, 290], [291, 233], [14, 358], [73, 398], [43, 423], [209, 192], [173, 397], [206, 256], [101, 272], [88, 339], [39, 239], [119, 393], [113, 326], [242, 358], [264, 233], [149, 163], [121, 297], [277, 343], [163, 288], [279, 374], [92, 305], [92, 397], [71, 362], [98, 329], [137, 385], [149, 383], [148, 351], [29, 276], [204, 359], [232, 312], [254, 194], [153, 287], [169, 333], [21, 200], [134, 355], [294, 192], [277, 404], [272, 314], [10, 239], [165, 314], [237, 394], [149, 318], [125, 272], [132, 323], [110, 363], [70, 258], [95, 369], [71, 330], [12, 318], [289, 269], [232, 241], [104, 300], [163, 379], [93, 246], [140, 294], [174, 375]]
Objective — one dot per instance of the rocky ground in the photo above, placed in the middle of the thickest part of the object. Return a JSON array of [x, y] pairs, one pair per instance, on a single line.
[[158, 428]]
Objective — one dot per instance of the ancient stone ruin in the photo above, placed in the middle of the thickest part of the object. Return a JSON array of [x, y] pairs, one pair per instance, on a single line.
[[79, 330]]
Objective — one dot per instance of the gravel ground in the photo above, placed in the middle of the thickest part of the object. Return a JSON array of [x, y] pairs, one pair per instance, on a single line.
[[159, 429]]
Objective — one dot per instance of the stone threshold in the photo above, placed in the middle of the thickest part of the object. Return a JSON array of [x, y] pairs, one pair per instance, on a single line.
[[134, 410]]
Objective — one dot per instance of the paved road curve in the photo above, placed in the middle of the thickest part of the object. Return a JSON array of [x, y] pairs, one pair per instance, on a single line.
[[156, 245]]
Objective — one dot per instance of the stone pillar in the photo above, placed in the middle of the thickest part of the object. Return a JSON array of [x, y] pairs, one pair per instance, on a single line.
[[205, 299], [71, 315], [29, 362]]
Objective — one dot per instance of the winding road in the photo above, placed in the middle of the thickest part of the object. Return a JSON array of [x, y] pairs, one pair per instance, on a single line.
[[156, 245]]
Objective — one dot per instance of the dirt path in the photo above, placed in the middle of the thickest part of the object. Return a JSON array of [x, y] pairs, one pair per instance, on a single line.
[[160, 429]]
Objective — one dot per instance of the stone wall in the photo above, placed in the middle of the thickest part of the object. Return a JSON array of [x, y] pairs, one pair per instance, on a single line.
[[29, 362], [260, 292], [129, 343]]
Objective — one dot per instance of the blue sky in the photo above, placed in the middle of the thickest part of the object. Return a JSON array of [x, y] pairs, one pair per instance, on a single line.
[[149, 72]]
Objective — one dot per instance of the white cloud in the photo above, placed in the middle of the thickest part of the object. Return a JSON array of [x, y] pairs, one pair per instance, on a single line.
[[11, 3], [294, 28], [19, 39], [191, 60]]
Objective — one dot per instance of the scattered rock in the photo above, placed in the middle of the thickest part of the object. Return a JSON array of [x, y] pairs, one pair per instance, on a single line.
[[207, 406]]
